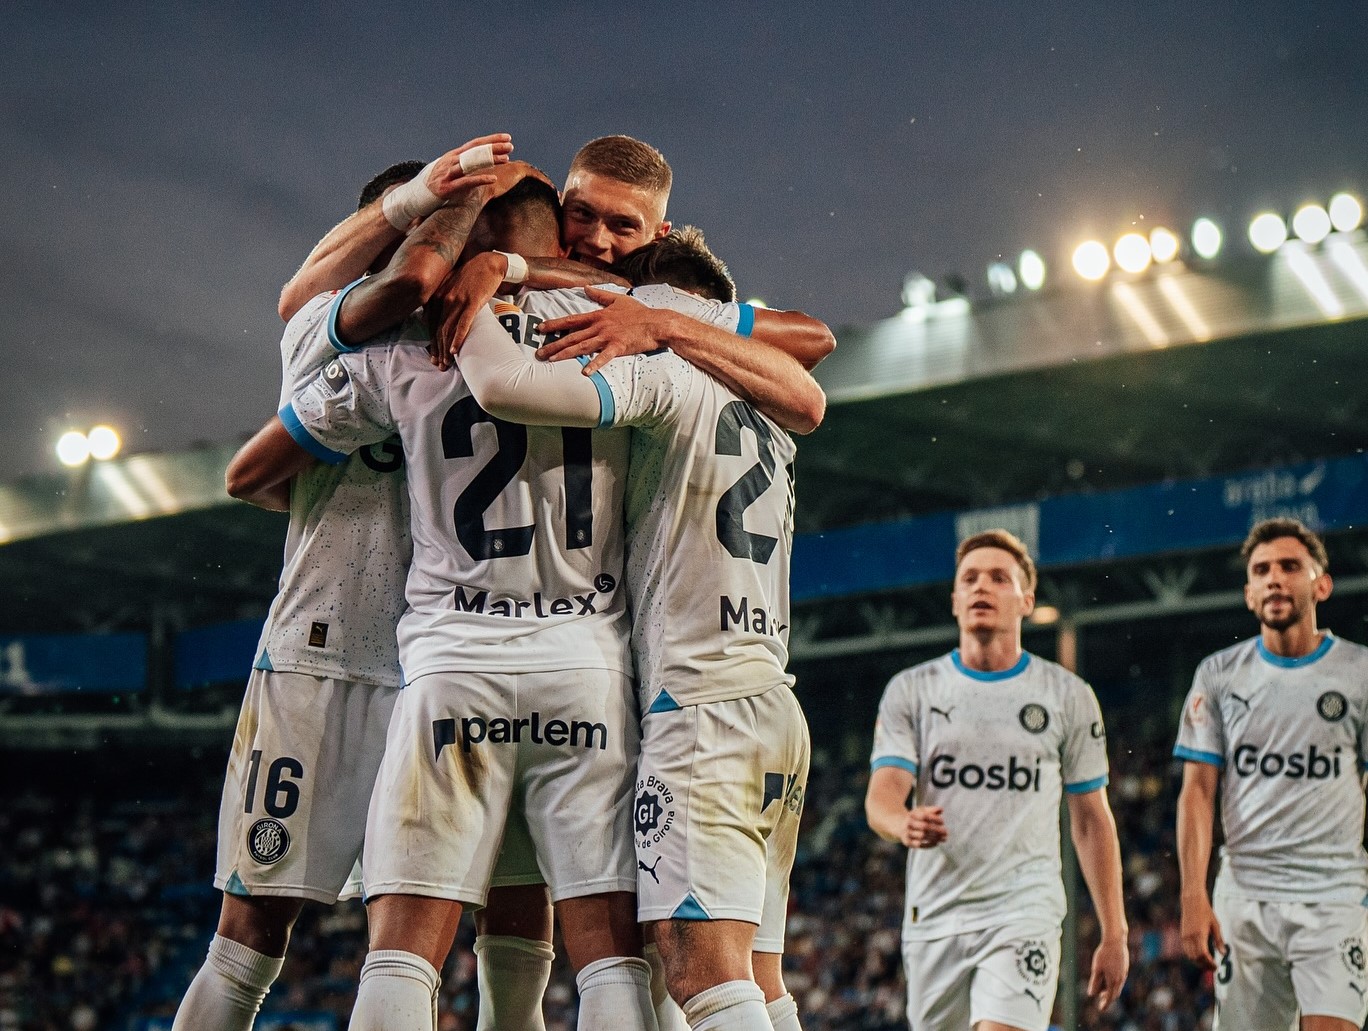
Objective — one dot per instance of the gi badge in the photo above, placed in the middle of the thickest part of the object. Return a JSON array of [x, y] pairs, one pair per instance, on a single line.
[[653, 813], [1034, 718], [647, 813], [1351, 951], [268, 841], [1332, 706], [1033, 961]]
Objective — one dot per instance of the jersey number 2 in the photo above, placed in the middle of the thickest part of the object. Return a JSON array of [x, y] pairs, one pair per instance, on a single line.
[[732, 505]]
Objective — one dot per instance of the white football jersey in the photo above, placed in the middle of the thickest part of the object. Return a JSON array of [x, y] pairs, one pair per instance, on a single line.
[[517, 532], [709, 534], [995, 750], [1291, 737], [347, 549]]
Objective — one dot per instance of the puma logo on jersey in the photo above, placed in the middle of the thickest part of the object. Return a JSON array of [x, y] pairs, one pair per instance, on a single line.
[[650, 869], [943, 712], [518, 608], [1038, 1000], [740, 615]]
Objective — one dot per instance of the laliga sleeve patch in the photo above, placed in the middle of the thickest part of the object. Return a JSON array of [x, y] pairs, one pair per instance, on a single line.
[[268, 841], [477, 158], [335, 376]]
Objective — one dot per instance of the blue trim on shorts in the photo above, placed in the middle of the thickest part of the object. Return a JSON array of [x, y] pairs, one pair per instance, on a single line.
[[1004, 674], [1193, 756], [1084, 787], [264, 662], [895, 761], [664, 703], [745, 323], [235, 886], [295, 428], [333, 309], [1282, 662], [689, 909]]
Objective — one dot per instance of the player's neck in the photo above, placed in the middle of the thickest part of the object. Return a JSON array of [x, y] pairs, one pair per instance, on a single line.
[[990, 652], [1296, 642]]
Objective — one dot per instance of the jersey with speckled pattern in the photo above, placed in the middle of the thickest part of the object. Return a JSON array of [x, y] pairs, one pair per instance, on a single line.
[[347, 549]]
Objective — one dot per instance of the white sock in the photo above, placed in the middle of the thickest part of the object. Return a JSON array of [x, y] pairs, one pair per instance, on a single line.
[[615, 995], [669, 1016], [397, 992], [513, 973], [730, 1006], [227, 992], [783, 1014]]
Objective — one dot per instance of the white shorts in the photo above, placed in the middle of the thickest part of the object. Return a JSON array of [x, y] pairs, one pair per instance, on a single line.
[[1005, 974], [465, 748], [304, 760], [1290, 959], [517, 861], [718, 798]]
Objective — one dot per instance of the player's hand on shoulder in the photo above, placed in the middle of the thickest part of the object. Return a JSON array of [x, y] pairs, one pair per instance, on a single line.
[[623, 326], [451, 310], [447, 176], [925, 827], [1200, 931], [1110, 965]]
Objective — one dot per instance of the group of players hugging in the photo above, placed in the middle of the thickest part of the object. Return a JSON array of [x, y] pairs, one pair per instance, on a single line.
[[528, 656]]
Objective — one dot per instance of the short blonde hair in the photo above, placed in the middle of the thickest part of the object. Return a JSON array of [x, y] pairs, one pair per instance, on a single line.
[[1008, 542], [625, 160]]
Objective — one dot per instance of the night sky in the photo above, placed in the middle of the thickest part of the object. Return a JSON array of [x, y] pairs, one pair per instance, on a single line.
[[168, 166]]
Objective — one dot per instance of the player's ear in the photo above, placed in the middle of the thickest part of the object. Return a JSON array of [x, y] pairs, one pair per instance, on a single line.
[[663, 229], [1027, 602], [1323, 586]]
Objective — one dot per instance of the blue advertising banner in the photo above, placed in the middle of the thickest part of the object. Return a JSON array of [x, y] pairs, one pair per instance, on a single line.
[[54, 663], [216, 654], [1182, 515]]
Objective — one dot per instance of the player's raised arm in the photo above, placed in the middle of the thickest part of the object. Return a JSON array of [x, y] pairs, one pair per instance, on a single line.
[[1093, 829], [770, 379], [1196, 814], [352, 246]]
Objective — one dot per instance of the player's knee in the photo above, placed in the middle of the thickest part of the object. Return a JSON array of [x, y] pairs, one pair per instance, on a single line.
[[262, 923]]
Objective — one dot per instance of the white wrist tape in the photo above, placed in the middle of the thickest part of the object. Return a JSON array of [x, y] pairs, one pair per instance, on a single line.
[[477, 159], [412, 200], [517, 267]]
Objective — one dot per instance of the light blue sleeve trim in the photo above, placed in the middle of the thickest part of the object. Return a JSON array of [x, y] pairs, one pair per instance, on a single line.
[[306, 440], [1193, 756], [745, 323], [1087, 785], [895, 761], [607, 407], [333, 309]]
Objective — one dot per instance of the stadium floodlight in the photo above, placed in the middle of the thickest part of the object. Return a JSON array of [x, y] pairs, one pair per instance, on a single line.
[[1031, 269], [1206, 238], [1132, 253], [1346, 213], [918, 291], [1311, 223], [104, 443], [1091, 260], [73, 448], [1002, 281], [1267, 232], [1163, 245]]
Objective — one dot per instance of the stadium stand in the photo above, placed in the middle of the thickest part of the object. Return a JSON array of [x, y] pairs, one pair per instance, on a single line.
[[1131, 453]]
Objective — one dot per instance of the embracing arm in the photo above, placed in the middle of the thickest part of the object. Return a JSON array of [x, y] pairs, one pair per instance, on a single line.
[[510, 384], [1099, 858], [260, 472], [770, 379], [351, 247]]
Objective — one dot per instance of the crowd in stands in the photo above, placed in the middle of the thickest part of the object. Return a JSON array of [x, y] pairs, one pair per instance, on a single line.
[[106, 908]]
